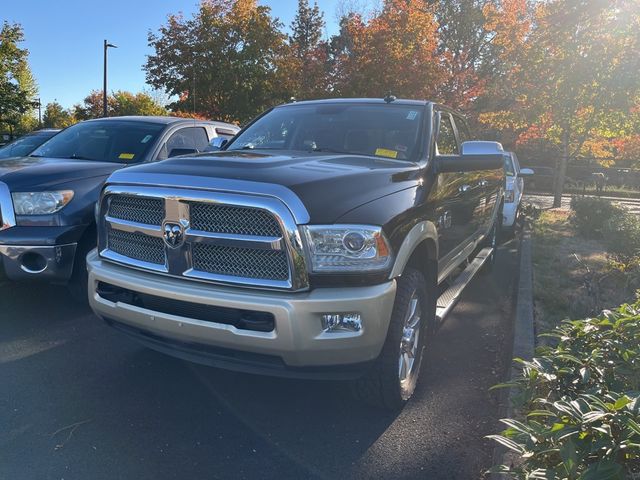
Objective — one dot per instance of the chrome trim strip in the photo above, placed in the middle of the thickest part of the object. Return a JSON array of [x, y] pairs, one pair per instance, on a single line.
[[222, 185], [232, 240], [133, 227], [179, 261], [7, 214], [132, 262]]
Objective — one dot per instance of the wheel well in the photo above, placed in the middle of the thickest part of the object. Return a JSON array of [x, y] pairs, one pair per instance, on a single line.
[[424, 259]]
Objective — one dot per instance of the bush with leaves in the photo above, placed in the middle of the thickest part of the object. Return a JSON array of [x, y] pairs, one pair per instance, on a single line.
[[598, 218], [580, 403]]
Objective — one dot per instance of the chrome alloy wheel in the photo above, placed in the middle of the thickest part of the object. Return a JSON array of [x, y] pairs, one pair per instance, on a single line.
[[410, 339]]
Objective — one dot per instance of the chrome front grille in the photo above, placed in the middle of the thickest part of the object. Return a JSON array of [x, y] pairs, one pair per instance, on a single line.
[[149, 211], [211, 217], [137, 246], [241, 262], [217, 237]]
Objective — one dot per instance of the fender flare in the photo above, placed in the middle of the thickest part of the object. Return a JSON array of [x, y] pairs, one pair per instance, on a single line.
[[420, 232]]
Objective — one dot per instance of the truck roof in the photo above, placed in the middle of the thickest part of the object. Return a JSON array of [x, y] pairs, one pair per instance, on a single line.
[[158, 119], [397, 101]]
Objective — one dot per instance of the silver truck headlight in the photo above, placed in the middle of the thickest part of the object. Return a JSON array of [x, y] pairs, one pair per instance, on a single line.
[[347, 248], [40, 203]]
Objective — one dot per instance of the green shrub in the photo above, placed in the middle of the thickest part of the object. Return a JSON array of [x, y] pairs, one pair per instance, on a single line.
[[592, 216], [597, 218], [580, 400]]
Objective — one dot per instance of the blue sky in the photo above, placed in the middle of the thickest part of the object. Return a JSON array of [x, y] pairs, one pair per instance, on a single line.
[[64, 38]]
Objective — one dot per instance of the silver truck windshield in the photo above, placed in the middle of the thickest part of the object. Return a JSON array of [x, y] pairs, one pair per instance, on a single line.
[[390, 131]]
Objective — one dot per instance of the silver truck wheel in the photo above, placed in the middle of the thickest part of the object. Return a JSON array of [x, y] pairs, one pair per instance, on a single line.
[[392, 380]]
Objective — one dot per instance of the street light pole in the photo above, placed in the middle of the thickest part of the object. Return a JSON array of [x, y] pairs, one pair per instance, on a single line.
[[104, 85]]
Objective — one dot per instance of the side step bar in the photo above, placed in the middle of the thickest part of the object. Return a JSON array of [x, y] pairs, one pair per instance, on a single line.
[[451, 295]]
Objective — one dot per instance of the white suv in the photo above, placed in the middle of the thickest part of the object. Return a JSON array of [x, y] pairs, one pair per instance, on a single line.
[[513, 189]]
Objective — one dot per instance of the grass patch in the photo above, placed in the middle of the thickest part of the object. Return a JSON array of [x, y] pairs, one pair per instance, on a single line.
[[575, 276]]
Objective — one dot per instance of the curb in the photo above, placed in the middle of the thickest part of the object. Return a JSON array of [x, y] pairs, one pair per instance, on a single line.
[[523, 337]]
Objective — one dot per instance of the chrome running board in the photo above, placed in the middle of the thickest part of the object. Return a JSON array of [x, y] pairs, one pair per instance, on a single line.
[[451, 295]]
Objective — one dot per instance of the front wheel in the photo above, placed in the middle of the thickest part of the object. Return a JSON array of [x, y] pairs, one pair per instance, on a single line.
[[392, 380]]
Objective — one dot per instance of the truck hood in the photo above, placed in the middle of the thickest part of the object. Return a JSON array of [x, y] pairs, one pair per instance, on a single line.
[[327, 185], [40, 173]]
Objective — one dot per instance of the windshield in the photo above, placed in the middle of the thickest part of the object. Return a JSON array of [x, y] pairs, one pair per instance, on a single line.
[[509, 170], [105, 141], [24, 145], [383, 130]]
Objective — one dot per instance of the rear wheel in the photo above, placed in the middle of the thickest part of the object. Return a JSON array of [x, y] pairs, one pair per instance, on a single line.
[[392, 380]]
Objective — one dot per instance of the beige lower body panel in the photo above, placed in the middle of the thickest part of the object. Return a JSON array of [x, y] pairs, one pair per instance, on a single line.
[[298, 337]]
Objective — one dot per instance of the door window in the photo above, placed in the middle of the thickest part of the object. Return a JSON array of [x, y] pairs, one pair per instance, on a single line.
[[463, 129], [184, 141], [446, 142]]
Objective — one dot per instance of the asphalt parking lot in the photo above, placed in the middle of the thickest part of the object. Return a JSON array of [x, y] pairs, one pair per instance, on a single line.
[[79, 400]]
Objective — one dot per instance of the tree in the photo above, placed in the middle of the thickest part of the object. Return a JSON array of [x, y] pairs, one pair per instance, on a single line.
[[463, 45], [395, 50], [118, 104], [55, 116], [127, 103], [91, 106], [230, 61], [309, 51], [577, 69], [18, 90]]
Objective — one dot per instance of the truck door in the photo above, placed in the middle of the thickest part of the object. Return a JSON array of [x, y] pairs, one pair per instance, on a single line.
[[451, 195], [482, 188]]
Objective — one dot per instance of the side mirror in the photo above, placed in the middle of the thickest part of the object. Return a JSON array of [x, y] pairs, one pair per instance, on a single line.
[[217, 144], [176, 152], [469, 162], [525, 172]]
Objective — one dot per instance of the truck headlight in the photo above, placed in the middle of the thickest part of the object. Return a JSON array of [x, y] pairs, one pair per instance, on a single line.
[[40, 203], [509, 196], [347, 248]]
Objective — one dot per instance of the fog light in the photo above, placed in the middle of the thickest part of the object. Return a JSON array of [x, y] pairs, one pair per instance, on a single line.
[[335, 322]]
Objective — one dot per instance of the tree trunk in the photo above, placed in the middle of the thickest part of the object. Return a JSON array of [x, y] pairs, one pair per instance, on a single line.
[[562, 170]]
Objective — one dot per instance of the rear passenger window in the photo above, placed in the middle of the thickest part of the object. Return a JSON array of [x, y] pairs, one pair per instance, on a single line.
[[190, 138], [446, 142]]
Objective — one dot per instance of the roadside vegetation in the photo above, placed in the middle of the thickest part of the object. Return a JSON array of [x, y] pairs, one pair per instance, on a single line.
[[578, 400], [585, 260]]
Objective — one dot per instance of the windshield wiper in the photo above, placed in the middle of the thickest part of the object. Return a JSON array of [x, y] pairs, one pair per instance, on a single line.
[[36, 156], [78, 157], [333, 150]]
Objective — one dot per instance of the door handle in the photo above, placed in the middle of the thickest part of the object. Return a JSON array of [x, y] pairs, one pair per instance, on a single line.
[[464, 188]]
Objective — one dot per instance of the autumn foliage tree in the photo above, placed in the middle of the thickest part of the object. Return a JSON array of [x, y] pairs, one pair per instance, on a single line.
[[229, 61], [394, 51], [577, 68]]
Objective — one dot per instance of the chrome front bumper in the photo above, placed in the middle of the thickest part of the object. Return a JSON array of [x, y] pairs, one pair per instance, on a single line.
[[298, 338]]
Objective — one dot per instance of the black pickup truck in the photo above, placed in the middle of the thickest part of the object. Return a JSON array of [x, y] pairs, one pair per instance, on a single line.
[[47, 199], [312, 245]]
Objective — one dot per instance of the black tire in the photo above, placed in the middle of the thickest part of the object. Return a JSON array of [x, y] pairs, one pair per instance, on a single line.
[[79, 281], [382, 385]]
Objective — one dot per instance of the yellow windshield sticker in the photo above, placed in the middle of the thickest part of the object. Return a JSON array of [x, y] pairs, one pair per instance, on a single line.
[[383, 152], [126, 156]]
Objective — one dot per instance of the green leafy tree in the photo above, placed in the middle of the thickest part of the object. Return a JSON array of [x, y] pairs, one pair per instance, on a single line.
[[18, 89], [118, 104], [310, 52], [229, 61], [55, 116], [127, 103]]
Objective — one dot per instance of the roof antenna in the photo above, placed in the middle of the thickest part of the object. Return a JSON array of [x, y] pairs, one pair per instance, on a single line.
[[389, 97]]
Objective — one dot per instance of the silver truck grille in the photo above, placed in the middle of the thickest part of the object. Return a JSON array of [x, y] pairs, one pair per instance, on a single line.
[[216, 237], [137, 246], [149, 211]]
